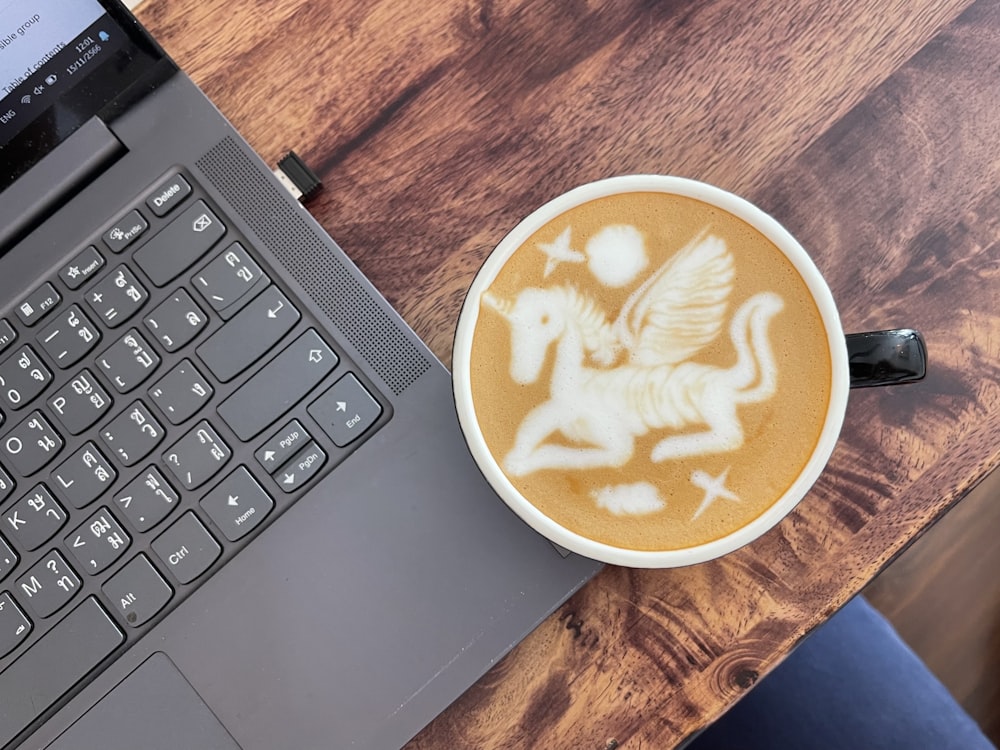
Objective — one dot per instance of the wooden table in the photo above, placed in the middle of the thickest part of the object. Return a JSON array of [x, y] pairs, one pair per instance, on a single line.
[[870, 129]]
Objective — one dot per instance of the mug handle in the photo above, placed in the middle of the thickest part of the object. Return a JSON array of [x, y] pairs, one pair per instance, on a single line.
[[886, 357]]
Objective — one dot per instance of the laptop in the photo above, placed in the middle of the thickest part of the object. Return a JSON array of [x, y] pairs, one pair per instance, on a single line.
[[236, 510]]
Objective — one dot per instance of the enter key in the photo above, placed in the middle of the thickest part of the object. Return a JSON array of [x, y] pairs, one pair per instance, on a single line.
[[249, 335]]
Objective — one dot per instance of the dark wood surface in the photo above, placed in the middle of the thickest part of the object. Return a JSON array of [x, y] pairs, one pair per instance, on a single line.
[[870, 129]]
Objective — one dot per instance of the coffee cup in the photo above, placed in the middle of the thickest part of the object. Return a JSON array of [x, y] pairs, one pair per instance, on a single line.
[[651, 371]]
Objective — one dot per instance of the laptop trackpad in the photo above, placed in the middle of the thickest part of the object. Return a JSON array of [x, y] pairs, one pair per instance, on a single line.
[[153, 708]]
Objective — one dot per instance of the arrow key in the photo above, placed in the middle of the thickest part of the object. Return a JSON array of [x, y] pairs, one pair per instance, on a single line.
[[238, 504], [276, 451], [346, 410], [301, 469]]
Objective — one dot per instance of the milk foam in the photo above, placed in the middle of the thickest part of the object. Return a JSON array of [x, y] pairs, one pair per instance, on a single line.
[[612, 382], [636, 499], [617, 255], [663, 406]]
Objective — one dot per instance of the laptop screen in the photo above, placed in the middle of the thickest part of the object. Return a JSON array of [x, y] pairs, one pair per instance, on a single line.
[[61, 63]]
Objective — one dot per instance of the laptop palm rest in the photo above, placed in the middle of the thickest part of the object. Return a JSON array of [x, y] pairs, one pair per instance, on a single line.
[[153, 708]]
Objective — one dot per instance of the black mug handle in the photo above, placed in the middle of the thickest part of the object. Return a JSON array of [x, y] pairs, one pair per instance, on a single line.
[[886, 357]]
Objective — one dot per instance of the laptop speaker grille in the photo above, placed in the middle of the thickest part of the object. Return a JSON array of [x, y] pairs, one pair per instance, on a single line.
[[368, 328]]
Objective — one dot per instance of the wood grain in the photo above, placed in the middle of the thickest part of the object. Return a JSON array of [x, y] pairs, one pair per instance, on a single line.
[[400, 106], [870, 129]]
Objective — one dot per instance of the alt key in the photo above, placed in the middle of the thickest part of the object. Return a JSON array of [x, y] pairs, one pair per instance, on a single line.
[[137, 591]]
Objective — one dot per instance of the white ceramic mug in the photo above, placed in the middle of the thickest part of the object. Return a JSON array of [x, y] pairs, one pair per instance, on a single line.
[[840, 373]]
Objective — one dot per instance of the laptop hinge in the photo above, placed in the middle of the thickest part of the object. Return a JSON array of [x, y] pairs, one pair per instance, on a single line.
[[55, 179]]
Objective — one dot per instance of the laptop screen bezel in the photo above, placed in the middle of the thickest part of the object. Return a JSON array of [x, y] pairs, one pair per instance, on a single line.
[[133, 71]]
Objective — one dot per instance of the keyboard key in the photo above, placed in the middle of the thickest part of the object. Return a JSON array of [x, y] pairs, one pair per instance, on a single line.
[[84, 265], [168, 195], [180, 244], [249, 335], [49, 585], [38, 304], [31, 445], [22, 377], [137, 591], [186, 548], [69, 337], [8, 558], [197, 457], [346, 411], [282, 382], [6, 485], [59, 660], [176, 321], [128, 362], [301, 469], [181, 392], [237, 504], [276, 451], [34, 519], [117, 297], [146, 500], [14, 625], [80, 403], [83, 477], [125, 231], [133, 434], [7, 334], [228, 277], [98, 542]]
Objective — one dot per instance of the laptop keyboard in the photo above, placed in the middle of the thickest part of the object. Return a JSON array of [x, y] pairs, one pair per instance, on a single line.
[[162, 399]]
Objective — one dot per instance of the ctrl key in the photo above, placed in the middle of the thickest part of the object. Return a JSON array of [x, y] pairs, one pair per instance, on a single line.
[[137, 591]]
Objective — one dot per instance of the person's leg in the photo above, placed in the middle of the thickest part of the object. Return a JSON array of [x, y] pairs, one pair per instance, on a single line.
[[853, 684]]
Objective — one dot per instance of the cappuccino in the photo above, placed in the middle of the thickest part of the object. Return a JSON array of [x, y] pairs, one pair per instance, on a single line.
[[649, 371]]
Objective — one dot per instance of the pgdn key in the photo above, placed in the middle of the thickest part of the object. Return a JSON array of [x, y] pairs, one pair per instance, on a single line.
[[301, 469]]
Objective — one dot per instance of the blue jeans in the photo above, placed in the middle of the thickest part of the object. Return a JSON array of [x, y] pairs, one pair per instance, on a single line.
[[853, 684]]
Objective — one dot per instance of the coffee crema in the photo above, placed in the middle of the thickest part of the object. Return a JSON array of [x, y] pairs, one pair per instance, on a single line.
[[650, 371]]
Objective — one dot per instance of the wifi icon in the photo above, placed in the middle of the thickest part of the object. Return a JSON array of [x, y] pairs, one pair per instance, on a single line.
[[26, 99]]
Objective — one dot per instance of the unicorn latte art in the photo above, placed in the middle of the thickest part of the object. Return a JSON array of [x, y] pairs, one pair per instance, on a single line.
[[638, 371]]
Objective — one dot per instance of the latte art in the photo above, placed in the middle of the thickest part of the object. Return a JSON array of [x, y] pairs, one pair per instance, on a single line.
[[638, 374]]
